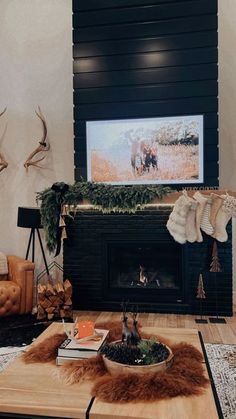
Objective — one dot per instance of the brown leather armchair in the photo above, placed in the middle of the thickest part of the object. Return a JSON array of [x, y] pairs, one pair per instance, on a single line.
[[16, 288]]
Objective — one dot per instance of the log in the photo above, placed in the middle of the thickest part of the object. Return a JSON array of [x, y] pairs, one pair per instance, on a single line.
[[50, 310], [59, 290], [68, 289], [54, 299], [41, 290], [68, 302], [41, 313], [50, 290], [45, 303], [57, 311]]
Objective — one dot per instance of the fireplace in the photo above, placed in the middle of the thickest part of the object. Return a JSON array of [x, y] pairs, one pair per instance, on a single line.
[[143, 270], [111, 257]]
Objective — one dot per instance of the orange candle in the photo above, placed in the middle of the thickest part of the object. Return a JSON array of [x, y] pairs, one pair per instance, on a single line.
[[85, 328]]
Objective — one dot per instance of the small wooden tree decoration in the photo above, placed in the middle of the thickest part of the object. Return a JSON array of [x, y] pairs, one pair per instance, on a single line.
[[215, 268], [215, 263], [200, 288], [201, 295]]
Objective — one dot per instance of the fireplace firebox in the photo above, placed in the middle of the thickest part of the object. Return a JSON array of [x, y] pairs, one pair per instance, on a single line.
[[143, 270], [111, 257]]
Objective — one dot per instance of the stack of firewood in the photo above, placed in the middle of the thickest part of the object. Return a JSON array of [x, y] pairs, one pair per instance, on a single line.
[[54, 300]]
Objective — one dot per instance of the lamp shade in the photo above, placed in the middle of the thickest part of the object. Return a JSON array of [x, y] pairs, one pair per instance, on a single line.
[[29, 217]]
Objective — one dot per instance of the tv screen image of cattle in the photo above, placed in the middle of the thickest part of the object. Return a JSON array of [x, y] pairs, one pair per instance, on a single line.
[[145, 151]]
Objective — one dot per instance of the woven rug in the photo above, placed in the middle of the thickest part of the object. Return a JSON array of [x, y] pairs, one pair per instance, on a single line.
[[8, 354], [222, 359]]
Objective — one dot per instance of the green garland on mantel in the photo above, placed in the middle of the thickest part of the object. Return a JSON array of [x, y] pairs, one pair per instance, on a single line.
[[106, 198]]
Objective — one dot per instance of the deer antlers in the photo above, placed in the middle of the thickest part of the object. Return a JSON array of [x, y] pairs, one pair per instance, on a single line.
[[43, 146], [3, 162]]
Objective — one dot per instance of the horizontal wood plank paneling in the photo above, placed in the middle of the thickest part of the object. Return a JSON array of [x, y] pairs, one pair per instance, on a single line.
[[140, 109], [161, 43], [135, 30], [149, 92], [147, 60], [143, 58], [140, 13], [147, 76], [79, 5]]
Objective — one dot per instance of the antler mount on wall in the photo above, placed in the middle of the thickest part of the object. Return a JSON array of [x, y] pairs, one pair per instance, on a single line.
[[43, 144]]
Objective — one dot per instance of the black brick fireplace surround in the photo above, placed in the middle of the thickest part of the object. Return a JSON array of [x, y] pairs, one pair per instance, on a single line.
[[87, 263]]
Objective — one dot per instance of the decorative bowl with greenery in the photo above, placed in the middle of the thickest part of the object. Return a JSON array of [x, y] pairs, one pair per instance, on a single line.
[[148, 355]]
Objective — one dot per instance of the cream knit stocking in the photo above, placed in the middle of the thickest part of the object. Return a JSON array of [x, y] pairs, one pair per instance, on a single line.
[[191, 230], [229, 204], [199, 211], [205, 222], [225, 213], [217, 202], [222, 220]]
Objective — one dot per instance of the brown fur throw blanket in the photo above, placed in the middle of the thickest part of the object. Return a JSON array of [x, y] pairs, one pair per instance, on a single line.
[[185, 377]]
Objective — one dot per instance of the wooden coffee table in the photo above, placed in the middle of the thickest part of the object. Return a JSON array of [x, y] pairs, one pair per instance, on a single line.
[[32, 390]]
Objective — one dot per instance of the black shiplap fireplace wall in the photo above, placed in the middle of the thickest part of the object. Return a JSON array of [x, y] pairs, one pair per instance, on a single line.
[[143, 58], [84, 262]]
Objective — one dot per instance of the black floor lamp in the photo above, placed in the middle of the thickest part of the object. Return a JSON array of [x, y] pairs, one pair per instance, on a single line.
[[30, 218]]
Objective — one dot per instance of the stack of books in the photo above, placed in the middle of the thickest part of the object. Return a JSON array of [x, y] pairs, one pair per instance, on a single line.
[[72, 349]]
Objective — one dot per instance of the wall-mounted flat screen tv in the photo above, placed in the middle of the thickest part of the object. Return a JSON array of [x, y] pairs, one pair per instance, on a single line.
[[167, 150]]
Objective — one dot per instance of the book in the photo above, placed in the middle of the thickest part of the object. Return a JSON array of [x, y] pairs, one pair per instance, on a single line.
[[61, 360], [72, 349]]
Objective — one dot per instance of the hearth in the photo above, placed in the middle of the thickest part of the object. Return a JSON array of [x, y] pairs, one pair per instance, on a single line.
[[112, 257]]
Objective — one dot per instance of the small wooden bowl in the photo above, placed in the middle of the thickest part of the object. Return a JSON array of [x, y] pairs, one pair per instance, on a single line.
[[115, 368]]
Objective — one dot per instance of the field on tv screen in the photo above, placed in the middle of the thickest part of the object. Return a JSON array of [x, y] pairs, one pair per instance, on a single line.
[[160, 150]]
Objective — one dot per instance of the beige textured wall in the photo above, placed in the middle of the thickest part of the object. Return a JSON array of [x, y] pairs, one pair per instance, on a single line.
[[35, 69], [227, 103]]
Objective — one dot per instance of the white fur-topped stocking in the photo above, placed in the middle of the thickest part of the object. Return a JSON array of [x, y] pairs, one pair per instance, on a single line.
[[176, 224]]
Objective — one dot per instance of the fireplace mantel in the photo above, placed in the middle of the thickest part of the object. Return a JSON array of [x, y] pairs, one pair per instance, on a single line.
[[168, 200]]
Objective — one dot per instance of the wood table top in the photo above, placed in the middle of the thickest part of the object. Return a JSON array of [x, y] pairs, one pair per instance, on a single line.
[[32, 389]]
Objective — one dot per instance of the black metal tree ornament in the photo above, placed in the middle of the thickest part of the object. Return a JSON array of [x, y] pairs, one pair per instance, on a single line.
[[201, 295], [216, 268]]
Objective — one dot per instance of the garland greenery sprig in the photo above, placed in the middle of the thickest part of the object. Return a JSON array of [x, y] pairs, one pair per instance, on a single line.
[[106, 198]]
